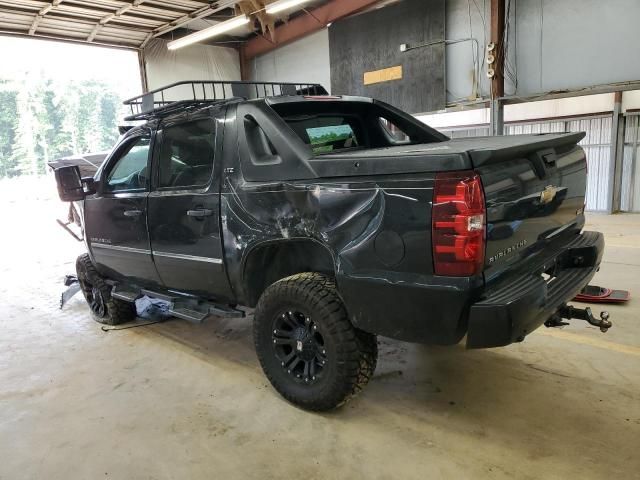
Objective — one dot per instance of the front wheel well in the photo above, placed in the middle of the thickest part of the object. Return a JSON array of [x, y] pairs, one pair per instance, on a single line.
[[273, 261]]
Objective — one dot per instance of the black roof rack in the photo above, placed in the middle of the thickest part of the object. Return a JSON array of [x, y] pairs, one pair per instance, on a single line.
[[196, 93]]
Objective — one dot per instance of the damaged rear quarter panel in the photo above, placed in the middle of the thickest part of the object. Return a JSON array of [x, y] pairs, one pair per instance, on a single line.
[[346, 217]]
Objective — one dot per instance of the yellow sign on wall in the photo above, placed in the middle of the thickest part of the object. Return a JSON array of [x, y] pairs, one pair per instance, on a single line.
[[384, 75]]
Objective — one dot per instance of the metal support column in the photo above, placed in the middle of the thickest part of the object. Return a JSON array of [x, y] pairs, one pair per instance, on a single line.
[[497, 81], [634, 170], [142, 64], [496, 115], [245, 63], [617, 153]]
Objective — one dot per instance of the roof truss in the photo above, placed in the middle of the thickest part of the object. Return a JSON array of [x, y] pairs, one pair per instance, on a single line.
[[122, 23]]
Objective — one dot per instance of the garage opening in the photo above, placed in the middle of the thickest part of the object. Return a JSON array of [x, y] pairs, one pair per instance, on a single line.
[[60, 99]]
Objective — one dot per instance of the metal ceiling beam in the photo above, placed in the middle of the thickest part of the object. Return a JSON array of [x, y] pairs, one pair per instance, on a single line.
[[304, 25], [188, 18], [107, 18], [132, 22], [43, 11], [67, 39]]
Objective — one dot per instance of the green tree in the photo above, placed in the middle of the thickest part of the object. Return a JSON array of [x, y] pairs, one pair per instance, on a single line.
[[109, 112], [8, 127], [24, 152], [41, 120]]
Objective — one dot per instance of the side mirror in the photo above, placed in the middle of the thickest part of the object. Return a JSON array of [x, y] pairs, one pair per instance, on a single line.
[[70, 184]]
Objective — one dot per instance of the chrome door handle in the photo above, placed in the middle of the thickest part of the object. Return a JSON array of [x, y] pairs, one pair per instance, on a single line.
[[132, 213], [200, 212]]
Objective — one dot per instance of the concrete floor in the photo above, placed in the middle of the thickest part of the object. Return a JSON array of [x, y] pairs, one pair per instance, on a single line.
[[183, 401]]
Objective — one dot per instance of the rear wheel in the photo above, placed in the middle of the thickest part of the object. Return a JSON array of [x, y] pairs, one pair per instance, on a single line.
[[104, 308], [311, 353]]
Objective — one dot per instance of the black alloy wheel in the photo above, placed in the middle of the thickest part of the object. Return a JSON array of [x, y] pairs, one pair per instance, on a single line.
[[299, 345]]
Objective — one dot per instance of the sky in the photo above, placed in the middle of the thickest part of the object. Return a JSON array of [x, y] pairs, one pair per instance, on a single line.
[[65, 61]]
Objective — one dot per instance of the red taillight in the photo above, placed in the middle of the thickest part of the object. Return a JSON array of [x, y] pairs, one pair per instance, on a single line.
[[458, 224]]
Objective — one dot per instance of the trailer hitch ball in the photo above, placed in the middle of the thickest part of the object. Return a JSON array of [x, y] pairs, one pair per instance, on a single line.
[[569, 312], [605, 323]]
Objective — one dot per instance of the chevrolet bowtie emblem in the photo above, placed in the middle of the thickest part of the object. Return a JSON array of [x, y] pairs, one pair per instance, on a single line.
[[548, 194]]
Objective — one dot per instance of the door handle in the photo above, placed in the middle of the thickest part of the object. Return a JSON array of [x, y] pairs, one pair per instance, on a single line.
[[200, 212], [132, 213]]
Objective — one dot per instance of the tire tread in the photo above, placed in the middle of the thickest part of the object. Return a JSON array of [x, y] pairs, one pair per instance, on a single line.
[[118, 311], [358, 350]]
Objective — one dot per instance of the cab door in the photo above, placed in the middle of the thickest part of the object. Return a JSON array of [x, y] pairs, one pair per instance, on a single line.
[[184, 210], [116, 216]]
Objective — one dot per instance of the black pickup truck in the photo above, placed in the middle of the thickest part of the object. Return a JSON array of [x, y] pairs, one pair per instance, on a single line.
[[338, 219]]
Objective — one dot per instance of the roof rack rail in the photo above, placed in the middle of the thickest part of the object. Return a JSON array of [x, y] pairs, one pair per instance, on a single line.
[[195, 93]]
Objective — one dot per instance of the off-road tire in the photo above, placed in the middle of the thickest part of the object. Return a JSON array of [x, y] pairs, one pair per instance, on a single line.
[[104, 308], [351, 354]]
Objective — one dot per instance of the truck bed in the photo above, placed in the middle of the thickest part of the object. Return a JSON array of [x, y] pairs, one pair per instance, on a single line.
[[454, 154]]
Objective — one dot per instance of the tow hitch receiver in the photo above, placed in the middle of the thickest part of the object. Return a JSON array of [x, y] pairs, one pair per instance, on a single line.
[[569, 312]]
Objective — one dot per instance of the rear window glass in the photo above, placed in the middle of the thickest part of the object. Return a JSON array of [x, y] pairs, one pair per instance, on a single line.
[[327, 133], [331, 138], [334, 126]]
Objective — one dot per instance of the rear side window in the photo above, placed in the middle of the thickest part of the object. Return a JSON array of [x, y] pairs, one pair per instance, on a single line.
[[186, 155], [396, 134]]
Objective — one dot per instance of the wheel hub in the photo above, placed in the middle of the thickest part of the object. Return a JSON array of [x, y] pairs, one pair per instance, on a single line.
[[299, 346], [96, 302], [93, 295]]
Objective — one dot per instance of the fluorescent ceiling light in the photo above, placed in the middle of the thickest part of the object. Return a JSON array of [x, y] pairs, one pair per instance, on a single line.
[[281, 5], [213, 31]]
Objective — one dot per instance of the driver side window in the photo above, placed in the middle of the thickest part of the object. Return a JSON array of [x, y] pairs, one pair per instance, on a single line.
[[131, 172]]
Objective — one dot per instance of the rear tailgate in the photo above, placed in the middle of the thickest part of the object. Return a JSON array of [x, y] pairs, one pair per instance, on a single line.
[[535, 192]]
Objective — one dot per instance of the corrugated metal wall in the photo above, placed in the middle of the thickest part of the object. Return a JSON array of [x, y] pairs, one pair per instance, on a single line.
[[475, 131], [630, 187], [597, 146]]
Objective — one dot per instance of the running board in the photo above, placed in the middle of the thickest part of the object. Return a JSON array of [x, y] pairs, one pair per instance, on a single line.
[[125, 295], [188, 314], [186, 308], [225, 312]]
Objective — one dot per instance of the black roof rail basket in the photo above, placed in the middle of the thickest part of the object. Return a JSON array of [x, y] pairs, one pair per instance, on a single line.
[[171, 98]]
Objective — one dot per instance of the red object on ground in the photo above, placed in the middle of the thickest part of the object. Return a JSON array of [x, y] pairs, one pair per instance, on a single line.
[[595, 294]]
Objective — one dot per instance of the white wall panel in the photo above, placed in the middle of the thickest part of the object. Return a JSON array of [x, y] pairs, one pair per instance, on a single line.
[[195, 62], [467, 19], [304, 61], [569, 44], [630, 186]]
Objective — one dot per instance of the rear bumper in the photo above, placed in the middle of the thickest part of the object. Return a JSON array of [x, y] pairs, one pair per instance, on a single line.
[[520, 304]]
